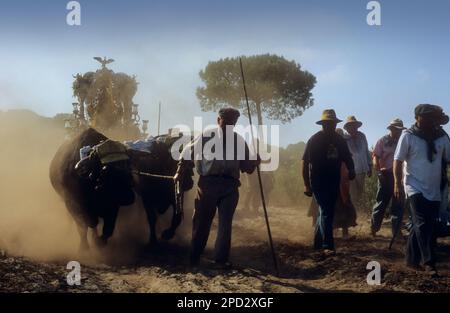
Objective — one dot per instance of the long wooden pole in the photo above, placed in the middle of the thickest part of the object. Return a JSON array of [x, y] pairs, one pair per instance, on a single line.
[[258, 170]]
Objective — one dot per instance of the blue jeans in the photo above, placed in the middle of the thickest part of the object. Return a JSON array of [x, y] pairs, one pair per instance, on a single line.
[[420, 247], [326, 198], [384, 197]]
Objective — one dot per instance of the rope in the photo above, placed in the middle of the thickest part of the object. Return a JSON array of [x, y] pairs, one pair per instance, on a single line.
[[153, 175]]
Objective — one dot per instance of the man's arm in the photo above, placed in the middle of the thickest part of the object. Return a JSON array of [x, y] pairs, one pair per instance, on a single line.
[[376, 163], [306, 162], [401, 154], [447, 150], [306, 178], [377, 151], [248, 165], [398, 179]]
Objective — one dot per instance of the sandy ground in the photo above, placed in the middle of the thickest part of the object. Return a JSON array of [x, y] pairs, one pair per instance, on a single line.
[[301, 268]]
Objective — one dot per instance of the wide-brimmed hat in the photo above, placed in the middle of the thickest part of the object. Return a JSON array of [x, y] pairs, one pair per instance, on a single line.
[[327, 116], [352, 120], [397, 124]]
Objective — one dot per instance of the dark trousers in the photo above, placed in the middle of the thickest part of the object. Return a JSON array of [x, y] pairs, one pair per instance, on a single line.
[[326, 197], [420, 247], [384, 196], [214, 193]]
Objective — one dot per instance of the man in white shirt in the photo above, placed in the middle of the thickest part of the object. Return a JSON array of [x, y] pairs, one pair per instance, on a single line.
[[218, 184], [359, 148], [424, 148]]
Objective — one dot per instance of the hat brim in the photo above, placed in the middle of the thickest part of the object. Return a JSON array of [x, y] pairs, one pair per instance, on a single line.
[[333, 120], [357, 123], [396, 127], [444, 120]]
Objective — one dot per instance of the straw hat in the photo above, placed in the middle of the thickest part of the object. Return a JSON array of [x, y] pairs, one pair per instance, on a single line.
[[328, 115], [396, 123], [352, 120]]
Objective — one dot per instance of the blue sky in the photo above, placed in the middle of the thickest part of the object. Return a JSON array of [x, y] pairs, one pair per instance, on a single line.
[[375, 73]]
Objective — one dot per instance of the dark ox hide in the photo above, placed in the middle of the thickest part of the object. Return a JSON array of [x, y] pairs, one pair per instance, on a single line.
[[83, 200], [158, 194], [100, 194]]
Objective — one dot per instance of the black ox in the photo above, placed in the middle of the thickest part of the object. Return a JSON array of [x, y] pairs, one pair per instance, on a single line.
[[92, 190]]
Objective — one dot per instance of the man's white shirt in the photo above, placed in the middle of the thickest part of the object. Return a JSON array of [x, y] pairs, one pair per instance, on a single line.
[[421, 175]]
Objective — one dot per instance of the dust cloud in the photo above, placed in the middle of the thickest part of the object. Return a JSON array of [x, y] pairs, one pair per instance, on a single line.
[[33, 220], [35, 223]]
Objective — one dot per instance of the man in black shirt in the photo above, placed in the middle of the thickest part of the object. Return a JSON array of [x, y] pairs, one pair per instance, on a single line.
[[324, 154]]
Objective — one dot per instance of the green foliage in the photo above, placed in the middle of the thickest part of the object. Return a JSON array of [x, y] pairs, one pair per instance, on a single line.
[[288, 181], [276, 87], [370, 194]]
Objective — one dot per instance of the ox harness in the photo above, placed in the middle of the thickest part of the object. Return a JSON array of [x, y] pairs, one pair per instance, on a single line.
[[113, 152], [179, 194]]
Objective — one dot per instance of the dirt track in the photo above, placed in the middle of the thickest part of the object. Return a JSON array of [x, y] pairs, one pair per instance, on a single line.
[[302, 269]]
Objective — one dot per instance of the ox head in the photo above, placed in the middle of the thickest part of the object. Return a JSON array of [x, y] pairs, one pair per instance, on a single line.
[[107, 169]]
